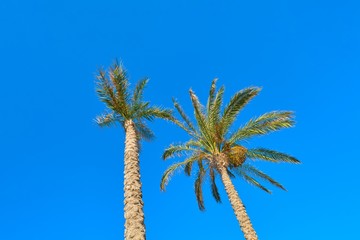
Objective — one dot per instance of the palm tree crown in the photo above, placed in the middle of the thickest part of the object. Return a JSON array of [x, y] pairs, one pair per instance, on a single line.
[[114, 91], [213, 146], [131, 112]]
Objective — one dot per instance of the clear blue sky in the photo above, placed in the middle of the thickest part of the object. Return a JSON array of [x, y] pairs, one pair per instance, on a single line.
[[61, 175]]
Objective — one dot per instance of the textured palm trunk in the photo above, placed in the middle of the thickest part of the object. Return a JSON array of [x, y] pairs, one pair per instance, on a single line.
[[133, 209], [238, 206]]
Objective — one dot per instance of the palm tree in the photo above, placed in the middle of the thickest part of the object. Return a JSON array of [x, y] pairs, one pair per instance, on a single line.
[[216, 150], [131, 112]]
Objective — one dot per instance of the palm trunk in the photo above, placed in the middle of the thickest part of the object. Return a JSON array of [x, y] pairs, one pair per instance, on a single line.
[[238, 206], [133, 209]]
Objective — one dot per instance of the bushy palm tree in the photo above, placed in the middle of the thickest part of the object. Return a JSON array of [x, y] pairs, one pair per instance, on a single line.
[[131, 112], [216, 150]]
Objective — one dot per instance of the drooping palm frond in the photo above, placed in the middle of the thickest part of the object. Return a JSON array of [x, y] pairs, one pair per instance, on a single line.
[[270, 155], [237, 102], [269, 122], [167, 174], [188, 168], [198, 186], [144, 131], [214, 188]]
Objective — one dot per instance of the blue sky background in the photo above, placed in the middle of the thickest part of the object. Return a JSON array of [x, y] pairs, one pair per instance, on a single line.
[[61, 175]]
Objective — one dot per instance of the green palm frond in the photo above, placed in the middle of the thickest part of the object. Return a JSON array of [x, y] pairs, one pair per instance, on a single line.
[[253, 182], [144, 131], [155, 112], [194, 143], [136, 110], [183, 115], [188, 168], [211, 94], [200, 119], [270, 155], [214, 189], [105, 120], [262, 175], [184, 127], [139, 89], [237, 102], [198, 111], [269, 122], [198, 187], [167, 174], [214, 113], [179, 150], [119, 80], [230, 173], [105, 91], [198, 155]]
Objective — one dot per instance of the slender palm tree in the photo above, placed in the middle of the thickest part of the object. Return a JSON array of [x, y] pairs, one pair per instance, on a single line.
[[213, 149], [131, 112]]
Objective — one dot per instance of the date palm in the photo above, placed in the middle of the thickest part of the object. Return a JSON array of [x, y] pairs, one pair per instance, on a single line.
[[214, 150], [130, 111]]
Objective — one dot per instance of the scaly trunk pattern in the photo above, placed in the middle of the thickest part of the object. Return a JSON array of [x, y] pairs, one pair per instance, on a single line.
[[237, 206], [133, 209]]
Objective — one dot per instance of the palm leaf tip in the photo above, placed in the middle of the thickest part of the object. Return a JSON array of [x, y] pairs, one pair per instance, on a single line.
[[105, 120], [139, 89], [215, 107], [167, 153], [199, 115], [211, 93], [194, 98], [190, 127], [213, 87], [165, 178]]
